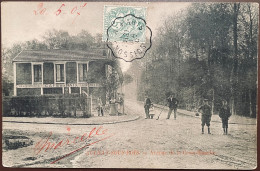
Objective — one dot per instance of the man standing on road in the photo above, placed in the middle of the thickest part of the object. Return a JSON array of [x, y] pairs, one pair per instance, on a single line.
[[173, 104], [205, 115], [224, 114], [147, 105]]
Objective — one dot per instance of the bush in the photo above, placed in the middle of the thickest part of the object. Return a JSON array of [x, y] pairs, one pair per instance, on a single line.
[[60, 106]]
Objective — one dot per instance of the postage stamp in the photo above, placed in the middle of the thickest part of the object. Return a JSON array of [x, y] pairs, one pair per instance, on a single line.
[[128, 28], [127, 36], [113, 12]]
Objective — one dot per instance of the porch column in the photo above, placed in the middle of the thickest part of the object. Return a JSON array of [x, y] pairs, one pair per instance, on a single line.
[[42, 79], [54, 73], [32, 73], [14, 68], [77, 72]]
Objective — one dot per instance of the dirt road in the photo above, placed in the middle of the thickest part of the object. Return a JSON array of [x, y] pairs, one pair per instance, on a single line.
[[151, 143]]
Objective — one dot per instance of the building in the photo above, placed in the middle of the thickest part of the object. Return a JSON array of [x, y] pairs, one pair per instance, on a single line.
[[44, 72]]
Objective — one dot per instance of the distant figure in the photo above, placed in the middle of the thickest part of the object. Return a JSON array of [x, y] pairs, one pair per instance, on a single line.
[[151, 112], [224, 114], [113, 106], [205, 115], [173, 104], [147, 105], [100, 107], [120, 101]]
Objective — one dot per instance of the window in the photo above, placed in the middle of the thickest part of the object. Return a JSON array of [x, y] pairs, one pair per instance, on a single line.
[[24, 73], [59, 72], [37, 72], [82, 71]]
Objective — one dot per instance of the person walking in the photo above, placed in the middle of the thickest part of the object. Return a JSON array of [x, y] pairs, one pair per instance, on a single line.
[[100, 107], [147, 105], [205, 115], [173, 104], [224, 114]]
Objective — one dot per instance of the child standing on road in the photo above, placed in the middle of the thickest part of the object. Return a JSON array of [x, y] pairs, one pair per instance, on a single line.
[[205, 115], [224, 114], [151, 112]]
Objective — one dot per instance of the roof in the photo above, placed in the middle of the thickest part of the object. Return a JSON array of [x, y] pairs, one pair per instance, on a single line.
[[59, 55]]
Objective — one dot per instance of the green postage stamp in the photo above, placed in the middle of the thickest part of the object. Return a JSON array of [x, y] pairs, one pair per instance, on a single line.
[[124, 23]]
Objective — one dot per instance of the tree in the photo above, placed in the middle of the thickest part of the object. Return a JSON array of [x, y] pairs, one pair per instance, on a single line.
[[55, 39], [209, 51]]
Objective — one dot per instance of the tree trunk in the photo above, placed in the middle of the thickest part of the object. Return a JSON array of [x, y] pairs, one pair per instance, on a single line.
[[232, 106], [250, 32], [234, 74], [179, 57], [250, 103], [213, 100]]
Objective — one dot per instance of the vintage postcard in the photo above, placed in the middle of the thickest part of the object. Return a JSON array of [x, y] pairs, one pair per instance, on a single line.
[[154, 85]]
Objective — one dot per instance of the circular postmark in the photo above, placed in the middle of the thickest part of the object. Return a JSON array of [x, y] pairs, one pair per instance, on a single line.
[[129, 38]]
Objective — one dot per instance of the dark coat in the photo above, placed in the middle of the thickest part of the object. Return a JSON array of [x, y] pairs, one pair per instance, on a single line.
[[206, 110], [147, 103], [172, 103], [224, 113]]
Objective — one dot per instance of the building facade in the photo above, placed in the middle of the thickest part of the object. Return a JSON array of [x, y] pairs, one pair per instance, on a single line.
[[61, 72]]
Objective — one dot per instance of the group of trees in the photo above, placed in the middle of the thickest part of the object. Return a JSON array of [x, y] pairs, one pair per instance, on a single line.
[[58, 39], [207, 51]]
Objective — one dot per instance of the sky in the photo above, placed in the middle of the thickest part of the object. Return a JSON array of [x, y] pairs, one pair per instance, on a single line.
[[23, 21]]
